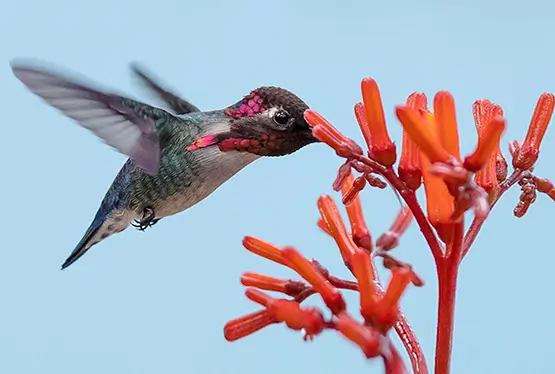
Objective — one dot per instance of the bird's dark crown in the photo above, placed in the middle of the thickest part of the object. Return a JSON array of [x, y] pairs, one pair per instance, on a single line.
[[267, 97]]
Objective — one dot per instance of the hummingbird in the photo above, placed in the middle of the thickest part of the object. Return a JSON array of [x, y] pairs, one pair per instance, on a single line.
[[175, 160]]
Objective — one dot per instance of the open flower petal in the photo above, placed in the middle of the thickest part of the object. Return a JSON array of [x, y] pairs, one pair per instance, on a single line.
[[446, 123], [488, 143], [421, 134]]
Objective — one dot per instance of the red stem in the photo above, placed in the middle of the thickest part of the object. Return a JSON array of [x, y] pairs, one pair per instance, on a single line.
[[411, 344], [477, 223], [404, 330], [407, 335], [409, 197], [447, 271], [423, 224], [393, 362], [402, 327]]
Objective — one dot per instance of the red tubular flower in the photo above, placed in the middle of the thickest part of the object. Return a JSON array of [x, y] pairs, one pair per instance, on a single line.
[[323, 226], [410, 170], [290, 312], [492, 171], [310, 320], [529, 151], [336, 226], [365, 279], [366, 338], [314, 118], [439, 201], [387, 308], [495, 168], [264, 282], [421, 134], [264, 249], [331, 296], [390, 239], [360, 233], [430, 150], [381, 147], [247, 325], [362, 123], [356, 186], [325, 132], [488, 142], [446, 123]]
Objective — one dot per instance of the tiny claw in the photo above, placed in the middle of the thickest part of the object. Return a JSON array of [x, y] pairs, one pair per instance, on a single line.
[[147, 221]]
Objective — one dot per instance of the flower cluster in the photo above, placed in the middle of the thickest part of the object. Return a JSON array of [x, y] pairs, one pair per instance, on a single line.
[[454, 185]]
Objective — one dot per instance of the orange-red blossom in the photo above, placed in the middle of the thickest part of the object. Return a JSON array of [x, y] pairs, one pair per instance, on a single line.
[[431, 149], [380, 310], [430, 156]]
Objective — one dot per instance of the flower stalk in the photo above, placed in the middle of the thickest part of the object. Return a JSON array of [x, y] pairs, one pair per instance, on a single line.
[[455, 186]]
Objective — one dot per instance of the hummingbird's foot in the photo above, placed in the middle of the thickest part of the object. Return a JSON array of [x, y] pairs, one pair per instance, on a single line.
[[147, 220]]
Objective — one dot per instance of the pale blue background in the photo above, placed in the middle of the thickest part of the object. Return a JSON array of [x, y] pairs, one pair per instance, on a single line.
[[156, 302]]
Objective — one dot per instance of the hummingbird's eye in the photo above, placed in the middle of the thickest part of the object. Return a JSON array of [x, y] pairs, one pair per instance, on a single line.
[[281, 117]]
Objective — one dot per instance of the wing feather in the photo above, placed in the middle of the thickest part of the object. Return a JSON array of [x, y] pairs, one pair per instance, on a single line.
[[108, 116]]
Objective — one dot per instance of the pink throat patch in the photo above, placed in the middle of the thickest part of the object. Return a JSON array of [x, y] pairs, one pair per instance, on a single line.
[[202, 142], [250, 106]]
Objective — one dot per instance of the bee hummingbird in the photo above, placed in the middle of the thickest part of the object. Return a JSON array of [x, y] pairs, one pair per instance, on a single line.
[[175, 160]]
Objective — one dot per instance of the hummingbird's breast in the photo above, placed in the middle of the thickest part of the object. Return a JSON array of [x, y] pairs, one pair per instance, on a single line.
[[213, 168], [184, 178]]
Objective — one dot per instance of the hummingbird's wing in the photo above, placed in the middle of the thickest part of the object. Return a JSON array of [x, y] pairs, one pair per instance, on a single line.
[[176, 103], [125, 124]]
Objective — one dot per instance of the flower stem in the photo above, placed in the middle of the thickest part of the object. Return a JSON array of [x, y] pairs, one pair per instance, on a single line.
[[412, 202], [447, 271], [412, 346], [447, 274], [407, 336], [477, 223]]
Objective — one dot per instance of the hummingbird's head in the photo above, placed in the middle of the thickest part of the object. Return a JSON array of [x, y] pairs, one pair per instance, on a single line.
[[268, 122]]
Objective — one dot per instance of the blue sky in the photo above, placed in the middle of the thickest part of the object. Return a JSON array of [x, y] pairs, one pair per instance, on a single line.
[[156, 302]]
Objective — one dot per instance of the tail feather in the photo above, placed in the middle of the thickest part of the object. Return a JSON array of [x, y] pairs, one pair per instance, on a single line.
[[102, 226]]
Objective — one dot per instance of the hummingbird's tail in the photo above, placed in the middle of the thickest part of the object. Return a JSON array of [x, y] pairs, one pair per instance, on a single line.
[[104, 224]]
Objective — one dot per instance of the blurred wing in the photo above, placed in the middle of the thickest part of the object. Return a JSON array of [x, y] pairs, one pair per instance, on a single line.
[[176, 103], [124, 124]]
